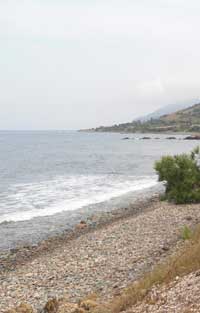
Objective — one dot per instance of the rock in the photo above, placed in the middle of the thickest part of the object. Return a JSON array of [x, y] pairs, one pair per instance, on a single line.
[[51, 306], [81, 225], [188, 218], [22, 308], [165, 248], [195, 137], [60, 306], [125, 138], [171, 138], [145, 138], [88, 305]]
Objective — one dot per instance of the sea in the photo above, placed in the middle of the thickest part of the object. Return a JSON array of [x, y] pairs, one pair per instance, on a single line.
[[50, 180]]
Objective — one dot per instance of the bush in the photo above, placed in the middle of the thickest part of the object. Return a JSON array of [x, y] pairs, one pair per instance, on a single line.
[[181, 173]]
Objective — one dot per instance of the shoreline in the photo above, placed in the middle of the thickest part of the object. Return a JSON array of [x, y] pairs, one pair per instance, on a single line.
[[139, 133], [11, 258], [16, 234]]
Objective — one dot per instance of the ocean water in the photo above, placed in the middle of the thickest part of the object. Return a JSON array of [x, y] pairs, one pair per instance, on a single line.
[[45, 175]]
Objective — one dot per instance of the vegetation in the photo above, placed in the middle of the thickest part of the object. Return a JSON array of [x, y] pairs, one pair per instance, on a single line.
[[187, 120], [186, 233], [181, 173]]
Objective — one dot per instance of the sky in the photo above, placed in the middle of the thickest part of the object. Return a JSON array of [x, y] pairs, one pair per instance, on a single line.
[[70, 64]]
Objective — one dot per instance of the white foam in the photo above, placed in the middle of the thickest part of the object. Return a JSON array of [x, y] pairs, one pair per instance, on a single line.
[[27, 201]]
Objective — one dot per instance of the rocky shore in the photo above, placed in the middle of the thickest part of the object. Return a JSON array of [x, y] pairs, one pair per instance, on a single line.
[[190, 137], [13, 257], [101, 259]]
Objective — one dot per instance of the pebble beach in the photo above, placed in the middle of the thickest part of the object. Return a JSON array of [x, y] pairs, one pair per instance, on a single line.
[[102, 259]]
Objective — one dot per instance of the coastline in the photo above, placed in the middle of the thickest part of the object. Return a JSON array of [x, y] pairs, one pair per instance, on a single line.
[[102, 256], [31, 232], [86, 223]]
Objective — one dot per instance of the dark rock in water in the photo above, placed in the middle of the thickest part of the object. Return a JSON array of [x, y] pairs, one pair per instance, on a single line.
[[171, 138], [157, 138], [195, 137], [125, 138], [145, 138]]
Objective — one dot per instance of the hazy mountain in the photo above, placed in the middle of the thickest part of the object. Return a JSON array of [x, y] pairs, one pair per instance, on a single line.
[[166, 110], [186, 120]]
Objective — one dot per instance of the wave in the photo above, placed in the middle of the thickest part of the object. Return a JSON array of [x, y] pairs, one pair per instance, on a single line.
[[27, 201]]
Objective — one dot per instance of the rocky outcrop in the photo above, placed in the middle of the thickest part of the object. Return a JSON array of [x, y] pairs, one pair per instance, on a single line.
[[125, 138], [60, 306], [145, 138], [196, 137], [51, 306]]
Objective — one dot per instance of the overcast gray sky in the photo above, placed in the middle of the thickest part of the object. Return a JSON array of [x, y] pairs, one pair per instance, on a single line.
[[67, 64]]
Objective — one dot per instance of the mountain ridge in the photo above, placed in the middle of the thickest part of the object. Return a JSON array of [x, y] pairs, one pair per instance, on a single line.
[[167, 109], [185, 120]]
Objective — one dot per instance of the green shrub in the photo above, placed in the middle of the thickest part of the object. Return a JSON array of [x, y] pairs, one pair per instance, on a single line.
[[181, 173]]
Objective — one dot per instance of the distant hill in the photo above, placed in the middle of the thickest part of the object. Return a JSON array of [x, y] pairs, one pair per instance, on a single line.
[[165, 110], [186, 120]]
